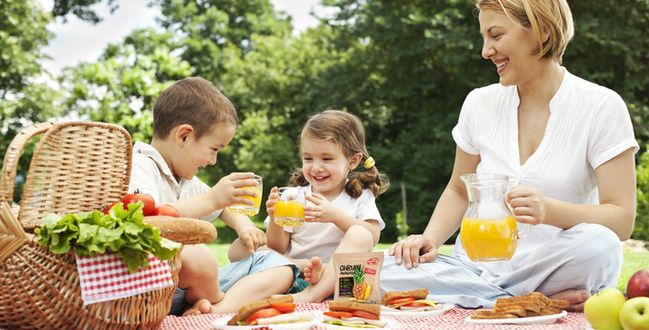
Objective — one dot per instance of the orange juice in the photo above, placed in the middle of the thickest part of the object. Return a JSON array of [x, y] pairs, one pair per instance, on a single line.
[[289, 213], [248, 210], [489, 239]]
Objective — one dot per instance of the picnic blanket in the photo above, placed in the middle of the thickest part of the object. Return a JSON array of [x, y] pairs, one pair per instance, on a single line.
[[453, 319]]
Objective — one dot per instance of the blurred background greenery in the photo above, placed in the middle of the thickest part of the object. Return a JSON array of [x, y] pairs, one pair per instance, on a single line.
[[404, 67]]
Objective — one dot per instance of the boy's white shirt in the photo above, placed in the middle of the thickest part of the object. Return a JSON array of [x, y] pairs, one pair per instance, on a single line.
[[151, 175], [321, 239]]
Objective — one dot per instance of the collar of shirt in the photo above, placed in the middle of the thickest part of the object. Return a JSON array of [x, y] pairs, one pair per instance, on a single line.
[[153, 153], [562, 93]]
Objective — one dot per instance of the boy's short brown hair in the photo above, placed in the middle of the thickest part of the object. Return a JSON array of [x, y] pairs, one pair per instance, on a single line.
[[193, 101]]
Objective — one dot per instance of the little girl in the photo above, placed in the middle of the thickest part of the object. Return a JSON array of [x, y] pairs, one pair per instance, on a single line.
[[341, 214]]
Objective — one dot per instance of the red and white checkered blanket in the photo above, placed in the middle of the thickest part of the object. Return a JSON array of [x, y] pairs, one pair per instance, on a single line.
[[453, 319], [105, 277]]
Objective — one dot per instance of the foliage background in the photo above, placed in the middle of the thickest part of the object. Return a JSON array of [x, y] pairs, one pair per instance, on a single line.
[[404, 67]]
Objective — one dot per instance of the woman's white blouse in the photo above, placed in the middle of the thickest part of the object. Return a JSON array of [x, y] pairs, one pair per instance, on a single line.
[[588, 125]]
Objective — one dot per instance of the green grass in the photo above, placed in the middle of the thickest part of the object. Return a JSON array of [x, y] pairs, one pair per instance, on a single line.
[[633, 261]]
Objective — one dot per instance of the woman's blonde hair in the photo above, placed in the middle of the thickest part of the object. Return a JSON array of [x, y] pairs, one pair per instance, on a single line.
[[552, 16], [346, 131]]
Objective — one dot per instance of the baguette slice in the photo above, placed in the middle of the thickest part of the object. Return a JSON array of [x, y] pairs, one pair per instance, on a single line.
[[417, 294], [246, 310]]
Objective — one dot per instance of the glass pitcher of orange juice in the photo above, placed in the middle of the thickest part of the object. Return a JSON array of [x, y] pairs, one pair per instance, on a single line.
[[489, 231]]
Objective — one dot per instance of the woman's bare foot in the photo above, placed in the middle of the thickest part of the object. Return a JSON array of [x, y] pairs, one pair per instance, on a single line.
[[576, 298], [313, 270], [203, 306]]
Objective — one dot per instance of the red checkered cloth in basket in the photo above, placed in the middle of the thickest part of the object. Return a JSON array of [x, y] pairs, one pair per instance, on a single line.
[[451, 320], [105, 277]]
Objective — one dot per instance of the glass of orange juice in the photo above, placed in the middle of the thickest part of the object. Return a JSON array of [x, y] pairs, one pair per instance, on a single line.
[[246, 209], [289, 209]]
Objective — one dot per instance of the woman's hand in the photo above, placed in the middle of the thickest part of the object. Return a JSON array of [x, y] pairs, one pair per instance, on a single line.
[[413, 250], [527, 205], [322, 209]]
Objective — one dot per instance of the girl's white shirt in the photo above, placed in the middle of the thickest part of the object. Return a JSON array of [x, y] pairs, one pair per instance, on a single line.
[[588, 125], [321, 239]]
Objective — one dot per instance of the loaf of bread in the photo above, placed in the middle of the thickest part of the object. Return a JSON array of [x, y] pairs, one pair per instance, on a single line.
[[183, 230]]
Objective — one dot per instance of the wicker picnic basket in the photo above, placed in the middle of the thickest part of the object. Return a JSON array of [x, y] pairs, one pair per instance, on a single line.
[[75, 167]]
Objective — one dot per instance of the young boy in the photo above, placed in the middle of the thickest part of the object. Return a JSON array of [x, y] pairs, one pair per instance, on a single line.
[[192, 122]]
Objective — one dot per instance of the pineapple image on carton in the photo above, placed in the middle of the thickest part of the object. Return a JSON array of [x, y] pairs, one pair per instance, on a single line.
[[361, 290], [357, 276]]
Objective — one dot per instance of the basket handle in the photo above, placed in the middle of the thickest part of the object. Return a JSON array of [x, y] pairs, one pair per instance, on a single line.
[[12, 156], [12, 235]]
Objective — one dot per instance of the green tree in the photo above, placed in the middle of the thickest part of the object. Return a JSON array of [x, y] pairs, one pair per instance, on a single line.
[[81, 8], [24, 97], [123, 84]]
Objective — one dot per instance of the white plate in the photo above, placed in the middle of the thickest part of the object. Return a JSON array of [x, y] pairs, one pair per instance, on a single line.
[[390, 324], [545, 319], [439, 309], [222, 324]]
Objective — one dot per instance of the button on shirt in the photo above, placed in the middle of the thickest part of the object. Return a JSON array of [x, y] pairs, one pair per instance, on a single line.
[[588, 125], [151, 175]]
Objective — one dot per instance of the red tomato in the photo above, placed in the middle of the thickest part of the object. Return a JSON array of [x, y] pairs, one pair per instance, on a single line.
[[417, 304], [400, 300], [147, 201], [338, 314], [366, 315], [262, 314], [284, 307], [110, 206], [168, 210]]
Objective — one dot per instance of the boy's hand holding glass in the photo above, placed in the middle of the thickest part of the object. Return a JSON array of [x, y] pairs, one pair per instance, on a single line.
[[252, 237], [240, 192]]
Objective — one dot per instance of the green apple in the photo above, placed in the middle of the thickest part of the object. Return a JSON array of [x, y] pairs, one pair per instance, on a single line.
[[602, 309], [635, 314]]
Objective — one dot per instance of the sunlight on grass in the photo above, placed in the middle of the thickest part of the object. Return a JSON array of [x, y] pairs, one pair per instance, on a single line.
[[633, 261]]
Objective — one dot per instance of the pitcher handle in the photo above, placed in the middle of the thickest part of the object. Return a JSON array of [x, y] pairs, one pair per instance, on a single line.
[[523, 228]]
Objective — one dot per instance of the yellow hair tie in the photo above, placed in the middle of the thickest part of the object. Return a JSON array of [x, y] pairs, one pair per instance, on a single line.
[[369, 163]]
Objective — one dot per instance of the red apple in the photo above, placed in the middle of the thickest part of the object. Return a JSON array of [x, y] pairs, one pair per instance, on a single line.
[[638, 285]]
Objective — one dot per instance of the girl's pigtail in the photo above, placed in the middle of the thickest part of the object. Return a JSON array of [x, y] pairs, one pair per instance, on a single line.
[[371, 179]]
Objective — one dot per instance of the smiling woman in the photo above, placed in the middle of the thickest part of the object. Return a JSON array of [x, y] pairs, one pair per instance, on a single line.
[[569, 143]]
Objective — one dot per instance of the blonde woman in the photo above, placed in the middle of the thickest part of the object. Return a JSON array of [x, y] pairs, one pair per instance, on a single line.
[[569, 143]]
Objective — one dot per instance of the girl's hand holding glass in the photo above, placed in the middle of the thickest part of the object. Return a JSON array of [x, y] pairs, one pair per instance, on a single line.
[[321, 210], [273, 196], [288, 206]]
